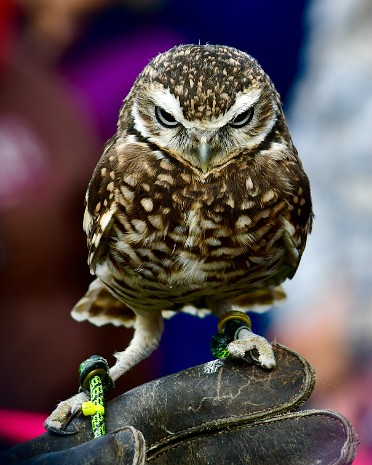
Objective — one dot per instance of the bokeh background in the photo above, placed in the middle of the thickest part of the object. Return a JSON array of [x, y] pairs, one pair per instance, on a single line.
[[65, 67]]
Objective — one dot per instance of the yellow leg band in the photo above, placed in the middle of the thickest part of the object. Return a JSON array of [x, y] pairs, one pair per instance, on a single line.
[[88, 408]]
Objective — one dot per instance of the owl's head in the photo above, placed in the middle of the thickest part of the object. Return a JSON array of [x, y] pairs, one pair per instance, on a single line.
[[204, 105]]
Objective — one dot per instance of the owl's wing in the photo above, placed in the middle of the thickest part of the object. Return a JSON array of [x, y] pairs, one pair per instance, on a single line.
[[100, 205], [98, 305], [295, 218], [299, 219]]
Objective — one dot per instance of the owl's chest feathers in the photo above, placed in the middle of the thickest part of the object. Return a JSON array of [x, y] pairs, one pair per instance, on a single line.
[[199, 234]]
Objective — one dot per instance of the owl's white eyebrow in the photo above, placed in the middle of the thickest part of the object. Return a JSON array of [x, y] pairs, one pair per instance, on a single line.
[[164, 99], [242, 103], [167, 101]]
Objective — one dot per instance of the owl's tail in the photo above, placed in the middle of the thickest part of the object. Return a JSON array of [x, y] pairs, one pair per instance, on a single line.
[[259, 300], [100, 307]]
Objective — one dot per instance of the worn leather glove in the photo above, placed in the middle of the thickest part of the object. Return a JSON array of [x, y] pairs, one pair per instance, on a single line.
[[221, 412]]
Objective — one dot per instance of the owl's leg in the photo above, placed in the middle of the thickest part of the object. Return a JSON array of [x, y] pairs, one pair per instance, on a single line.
[[148, 329], [244, 340]]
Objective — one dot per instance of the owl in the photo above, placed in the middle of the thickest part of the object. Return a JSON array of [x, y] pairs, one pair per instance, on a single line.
[[199, 203]]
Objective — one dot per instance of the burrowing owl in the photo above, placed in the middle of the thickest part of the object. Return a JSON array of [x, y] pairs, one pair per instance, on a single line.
[[199, 202]]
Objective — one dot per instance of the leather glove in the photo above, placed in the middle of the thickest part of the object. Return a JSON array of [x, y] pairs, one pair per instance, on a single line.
[[221, 412]]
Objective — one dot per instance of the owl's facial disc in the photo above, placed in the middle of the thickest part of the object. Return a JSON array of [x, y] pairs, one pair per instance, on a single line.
[[203, 143]]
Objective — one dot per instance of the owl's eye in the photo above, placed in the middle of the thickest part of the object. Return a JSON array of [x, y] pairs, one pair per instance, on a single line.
[[165, 119], [242, 119]]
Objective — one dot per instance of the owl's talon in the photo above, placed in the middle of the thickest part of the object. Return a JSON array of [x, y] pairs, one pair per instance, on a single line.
[[259, 349], [60, 431], [59, 420]]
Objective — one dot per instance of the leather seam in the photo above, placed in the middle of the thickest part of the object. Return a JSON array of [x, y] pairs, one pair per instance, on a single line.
[[246, 426]]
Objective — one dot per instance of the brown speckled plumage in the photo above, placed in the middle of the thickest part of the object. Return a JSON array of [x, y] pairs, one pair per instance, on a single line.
[[162, 234], [205, 90], [199, 202]]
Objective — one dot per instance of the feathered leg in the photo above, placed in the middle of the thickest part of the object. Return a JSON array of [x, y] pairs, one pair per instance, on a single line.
[[148, 329]]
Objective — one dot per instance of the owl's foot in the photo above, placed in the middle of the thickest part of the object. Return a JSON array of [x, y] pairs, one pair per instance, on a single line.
[[60, 418], [258, 348], [236, 339]]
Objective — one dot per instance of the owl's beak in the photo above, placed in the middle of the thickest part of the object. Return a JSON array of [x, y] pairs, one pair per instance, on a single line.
[[204, 152]]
